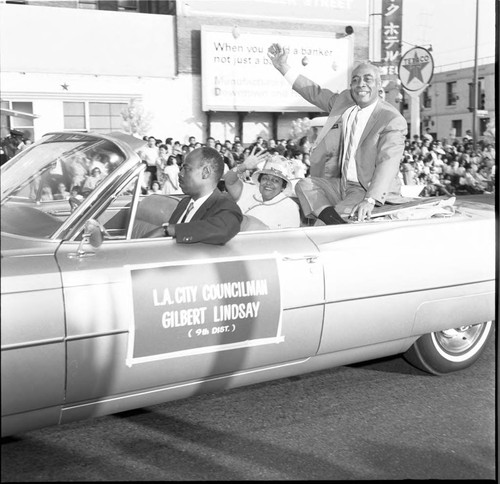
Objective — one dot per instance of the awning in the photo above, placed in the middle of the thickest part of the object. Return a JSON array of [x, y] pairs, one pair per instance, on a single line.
[[17, 114]]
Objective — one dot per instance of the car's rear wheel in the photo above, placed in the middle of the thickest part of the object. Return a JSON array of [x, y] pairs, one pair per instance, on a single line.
[[450, 350]]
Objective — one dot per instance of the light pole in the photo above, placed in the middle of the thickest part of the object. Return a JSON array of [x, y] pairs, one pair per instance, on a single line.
[[475, 89]]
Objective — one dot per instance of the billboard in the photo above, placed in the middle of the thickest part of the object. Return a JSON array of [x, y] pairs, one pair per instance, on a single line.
[[237, 75]]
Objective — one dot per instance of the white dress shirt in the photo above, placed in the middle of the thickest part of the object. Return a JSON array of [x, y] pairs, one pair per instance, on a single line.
[[347, 120], [196, 205]]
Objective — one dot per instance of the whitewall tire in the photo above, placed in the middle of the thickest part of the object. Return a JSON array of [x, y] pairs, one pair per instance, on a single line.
[[450, 350]]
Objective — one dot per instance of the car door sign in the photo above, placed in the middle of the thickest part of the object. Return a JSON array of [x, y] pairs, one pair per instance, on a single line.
[[193, 308]]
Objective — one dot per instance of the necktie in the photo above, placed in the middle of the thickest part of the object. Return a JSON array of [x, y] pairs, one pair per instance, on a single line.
[[349, 146], [189, 208]]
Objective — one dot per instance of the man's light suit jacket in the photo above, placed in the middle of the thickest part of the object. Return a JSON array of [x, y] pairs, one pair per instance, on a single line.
[[380, 147]]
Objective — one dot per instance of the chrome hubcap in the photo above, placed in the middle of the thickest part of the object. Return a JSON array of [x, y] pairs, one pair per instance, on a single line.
[[459, 340]]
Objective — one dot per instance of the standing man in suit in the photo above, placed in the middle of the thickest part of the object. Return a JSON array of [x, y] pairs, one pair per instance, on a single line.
[[206, 214], [355, 159]]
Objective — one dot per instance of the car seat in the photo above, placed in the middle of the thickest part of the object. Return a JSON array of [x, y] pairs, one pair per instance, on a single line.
[[153, 211]]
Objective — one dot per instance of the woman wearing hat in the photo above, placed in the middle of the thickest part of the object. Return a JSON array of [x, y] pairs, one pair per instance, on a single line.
[[268, 197]]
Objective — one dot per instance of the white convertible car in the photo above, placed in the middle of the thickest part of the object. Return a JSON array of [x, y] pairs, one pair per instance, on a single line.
[[98, 320]]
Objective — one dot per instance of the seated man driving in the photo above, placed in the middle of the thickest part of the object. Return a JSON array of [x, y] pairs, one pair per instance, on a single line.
[[205, 215]]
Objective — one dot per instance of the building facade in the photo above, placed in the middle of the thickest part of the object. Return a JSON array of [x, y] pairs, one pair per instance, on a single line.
[[100, 55], [78, 64], [446, 106]]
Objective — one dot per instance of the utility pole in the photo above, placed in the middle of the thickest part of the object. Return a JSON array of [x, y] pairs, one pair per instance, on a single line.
[[475, 88]]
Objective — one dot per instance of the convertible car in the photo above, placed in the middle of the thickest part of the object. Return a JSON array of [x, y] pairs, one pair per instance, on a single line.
[[98, 319]]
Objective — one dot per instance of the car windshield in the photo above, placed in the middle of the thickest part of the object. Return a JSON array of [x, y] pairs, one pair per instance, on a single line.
[[45, 183]]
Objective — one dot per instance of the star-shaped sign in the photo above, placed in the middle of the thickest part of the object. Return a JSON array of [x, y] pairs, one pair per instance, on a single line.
[[415, 68], [65, 86]]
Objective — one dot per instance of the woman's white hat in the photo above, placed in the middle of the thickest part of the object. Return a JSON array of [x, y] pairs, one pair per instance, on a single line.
[[278, 166]]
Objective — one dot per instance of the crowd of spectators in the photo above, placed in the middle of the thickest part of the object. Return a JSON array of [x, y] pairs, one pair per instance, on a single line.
[[12, 144], [438, 167], [449, 168], [446, 167], [164, 158]]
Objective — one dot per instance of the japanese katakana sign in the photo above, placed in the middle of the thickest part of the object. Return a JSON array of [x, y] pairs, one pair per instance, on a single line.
[[392, 26]]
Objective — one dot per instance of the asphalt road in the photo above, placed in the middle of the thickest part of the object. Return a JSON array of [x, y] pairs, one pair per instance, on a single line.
[[378, 420]]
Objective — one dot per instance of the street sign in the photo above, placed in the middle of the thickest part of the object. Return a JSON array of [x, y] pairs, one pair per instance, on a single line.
[[482, 113]]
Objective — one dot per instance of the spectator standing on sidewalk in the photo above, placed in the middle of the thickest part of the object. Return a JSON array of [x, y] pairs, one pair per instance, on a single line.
[[149, 154]]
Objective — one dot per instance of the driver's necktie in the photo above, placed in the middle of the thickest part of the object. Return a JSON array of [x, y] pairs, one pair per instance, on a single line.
[[189, 208]]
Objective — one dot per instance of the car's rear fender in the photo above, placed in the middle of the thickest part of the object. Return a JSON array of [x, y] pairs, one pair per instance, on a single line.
[[454, 307]]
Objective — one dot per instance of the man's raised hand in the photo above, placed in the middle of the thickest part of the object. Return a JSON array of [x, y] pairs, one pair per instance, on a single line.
[[279, 57]]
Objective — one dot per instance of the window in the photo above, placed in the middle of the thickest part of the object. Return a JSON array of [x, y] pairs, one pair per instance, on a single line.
[[88, 4], [483, 125], [4, 120], [456, 127], [20, 122], [93, 116], [471, 96], [115, 216], [427, 100], [480, 94], [105, 117], [74, 116], [451, 95], [128, 5], [162, 7], [44, 176]]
